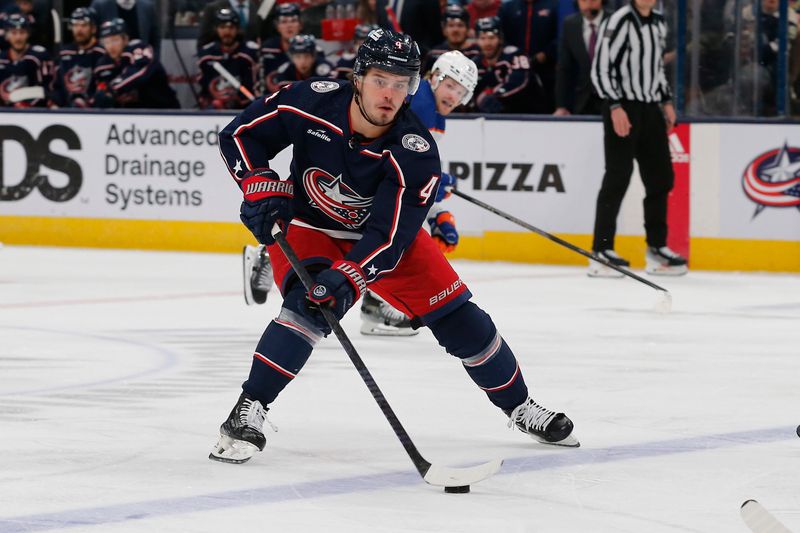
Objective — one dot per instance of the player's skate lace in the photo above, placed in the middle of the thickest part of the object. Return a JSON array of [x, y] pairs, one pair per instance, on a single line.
[[391, 314], [254, 415], [262, 277], [531, 415]]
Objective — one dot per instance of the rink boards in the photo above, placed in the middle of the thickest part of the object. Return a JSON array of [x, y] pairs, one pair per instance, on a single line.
[[157, 182]]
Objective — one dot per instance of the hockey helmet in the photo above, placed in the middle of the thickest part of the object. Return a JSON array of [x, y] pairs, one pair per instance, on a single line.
[[83, 14], [18, 21], [303, 44], [392, 52], [490, 25], [225, 15], [456, 12], [287, 10], [455, 65], [113, 27]]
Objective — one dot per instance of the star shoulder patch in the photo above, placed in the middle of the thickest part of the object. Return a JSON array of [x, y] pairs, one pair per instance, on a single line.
[[415, 143]]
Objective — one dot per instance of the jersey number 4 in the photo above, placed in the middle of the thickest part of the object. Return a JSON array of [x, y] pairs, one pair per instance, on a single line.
[[428, 189]]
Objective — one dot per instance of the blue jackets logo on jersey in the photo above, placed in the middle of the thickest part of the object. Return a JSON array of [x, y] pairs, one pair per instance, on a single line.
[[10, 85], [77, 80], [334, 198]]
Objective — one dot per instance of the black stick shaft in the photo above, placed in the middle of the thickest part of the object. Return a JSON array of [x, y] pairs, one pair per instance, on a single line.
[[419, 462], [557, 240]]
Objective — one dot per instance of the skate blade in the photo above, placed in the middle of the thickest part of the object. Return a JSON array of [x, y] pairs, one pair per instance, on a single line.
[[369, 327], [569, 441], [661, 270], [247, 272], [228, 450]]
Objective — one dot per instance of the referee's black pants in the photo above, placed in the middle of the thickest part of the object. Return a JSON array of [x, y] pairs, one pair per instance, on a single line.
[[647, 142]]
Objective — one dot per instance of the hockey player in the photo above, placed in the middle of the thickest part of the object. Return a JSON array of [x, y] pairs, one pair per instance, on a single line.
[[237, 56], [503, 72], [24, 68], [363, 177], [274, 50], [73, 81], [455, 27], [304, 62], [344, 65], [128, 75]]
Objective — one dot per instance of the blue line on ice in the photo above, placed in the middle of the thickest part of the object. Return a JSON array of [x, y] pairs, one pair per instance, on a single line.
[[108, 514]]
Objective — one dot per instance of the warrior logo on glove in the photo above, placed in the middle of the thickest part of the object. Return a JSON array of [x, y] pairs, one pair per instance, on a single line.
[[334, 198]]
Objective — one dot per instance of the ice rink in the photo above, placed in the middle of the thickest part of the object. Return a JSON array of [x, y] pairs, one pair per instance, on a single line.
[[117, 367]]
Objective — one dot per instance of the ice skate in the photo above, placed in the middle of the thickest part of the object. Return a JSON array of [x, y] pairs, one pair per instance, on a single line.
[[380, 318], [664, 262], [599, 270], [541, 424], [241, 435], [257, 274]]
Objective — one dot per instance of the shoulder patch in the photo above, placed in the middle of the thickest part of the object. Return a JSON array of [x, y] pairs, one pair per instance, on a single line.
[[323, 69], [324, 86], [252, 45], [415, 143], [510, 49]]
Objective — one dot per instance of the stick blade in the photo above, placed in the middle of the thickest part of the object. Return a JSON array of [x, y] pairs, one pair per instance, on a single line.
[[443, 476], [759, 520]]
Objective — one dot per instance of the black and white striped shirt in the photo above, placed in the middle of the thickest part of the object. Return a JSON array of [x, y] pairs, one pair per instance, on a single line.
[[628, 62]]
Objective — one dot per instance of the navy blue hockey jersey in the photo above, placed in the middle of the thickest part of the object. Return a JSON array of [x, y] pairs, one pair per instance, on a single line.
[[377, 193], [32, 69], [507, 79], [272, 55], [287, 73], [73, 77], [137, 80], [241, 62]]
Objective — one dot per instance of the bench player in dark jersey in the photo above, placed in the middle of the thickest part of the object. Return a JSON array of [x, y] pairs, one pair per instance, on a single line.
[[73, 81], [363, 177], [25, 69]]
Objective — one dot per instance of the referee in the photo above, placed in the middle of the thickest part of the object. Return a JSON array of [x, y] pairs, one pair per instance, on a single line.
[[628, 74]]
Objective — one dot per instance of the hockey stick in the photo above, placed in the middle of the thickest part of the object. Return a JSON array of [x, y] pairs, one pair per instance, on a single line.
[[440, 476], [557, 240], [236, 84], [759, 520]]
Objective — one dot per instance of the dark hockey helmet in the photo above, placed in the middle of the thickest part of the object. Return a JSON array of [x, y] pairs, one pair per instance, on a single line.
[[303, 44], [362, 30], [19, 21], [489, 24], [113, 27], [288, 10], [83, 14], [225, 15], [392, 52], [455, 11]]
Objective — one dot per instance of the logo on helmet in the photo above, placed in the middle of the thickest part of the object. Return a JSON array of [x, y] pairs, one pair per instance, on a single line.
[[415, 143]]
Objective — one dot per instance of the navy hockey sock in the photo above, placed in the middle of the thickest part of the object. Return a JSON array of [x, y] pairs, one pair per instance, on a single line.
[[282, 351], [469, 334]]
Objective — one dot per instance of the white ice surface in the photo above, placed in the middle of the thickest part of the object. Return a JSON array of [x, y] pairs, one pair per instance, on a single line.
[[117, 367]]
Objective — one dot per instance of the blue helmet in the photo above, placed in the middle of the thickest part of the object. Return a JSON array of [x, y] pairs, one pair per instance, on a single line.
[[113, 27], [225, 15], [287, 10], [392, 52], [455, 11], [490, 25], [19, 21], [83, 14], [303, 44]]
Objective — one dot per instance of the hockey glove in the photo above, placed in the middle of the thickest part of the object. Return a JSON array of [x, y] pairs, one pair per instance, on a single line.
[[443, 231], [337, 288], [446, 185], [267, 200]]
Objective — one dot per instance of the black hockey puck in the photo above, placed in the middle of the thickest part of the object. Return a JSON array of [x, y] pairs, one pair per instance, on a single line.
[[457, 490]]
